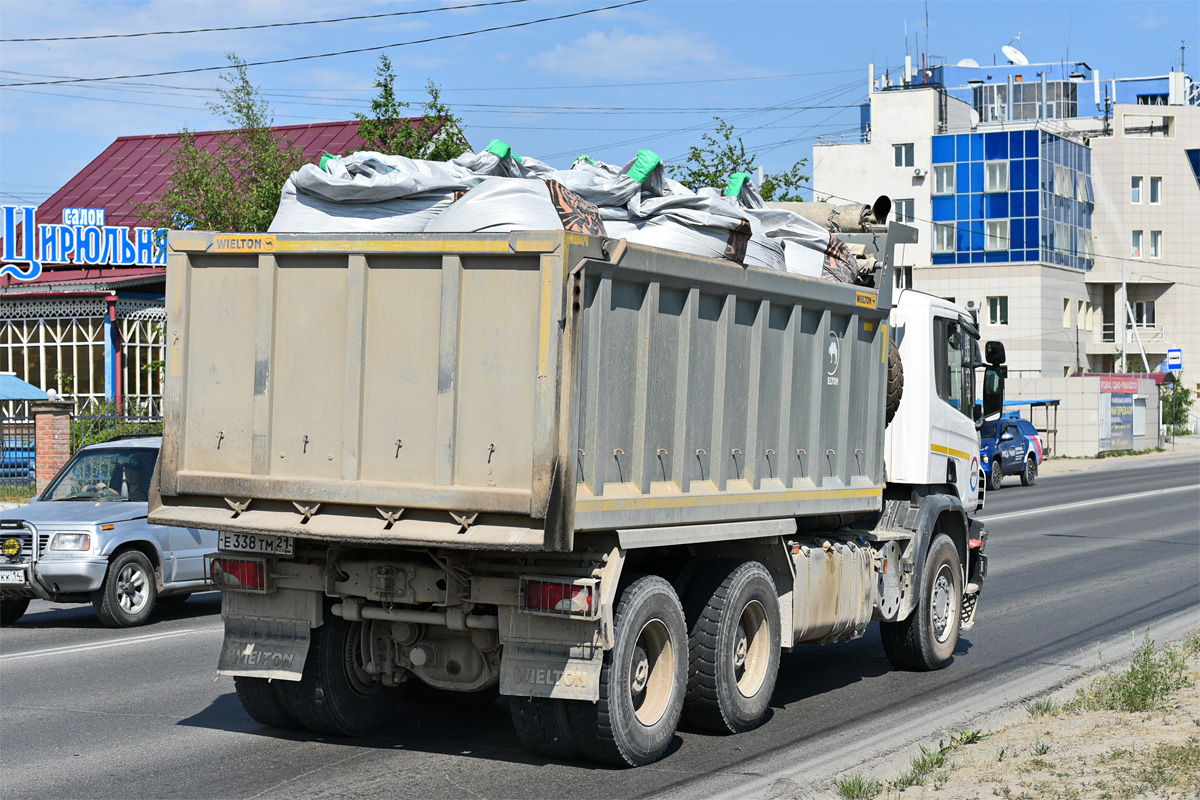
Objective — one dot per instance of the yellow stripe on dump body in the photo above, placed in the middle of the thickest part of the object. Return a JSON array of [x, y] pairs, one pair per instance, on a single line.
[[865, 299], [706, 500], [391, 246]]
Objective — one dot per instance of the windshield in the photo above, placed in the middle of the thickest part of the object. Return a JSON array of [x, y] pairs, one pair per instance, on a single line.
[[106, 474], [988, 431]]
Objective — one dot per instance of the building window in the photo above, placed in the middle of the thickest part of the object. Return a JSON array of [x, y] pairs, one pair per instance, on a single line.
[[996, 179], [904, 210], [1066, 312], [996, 235], [903, 154], [1143, 313], [1156, 244], [1091, 315], [1136, 245], [1135, 189], [1059, 242], [998, 310], [1155, 191], [943, 238], [943, 179]]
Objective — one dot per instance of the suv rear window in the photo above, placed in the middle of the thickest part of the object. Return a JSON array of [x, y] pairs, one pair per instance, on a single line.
[[1026, 427]]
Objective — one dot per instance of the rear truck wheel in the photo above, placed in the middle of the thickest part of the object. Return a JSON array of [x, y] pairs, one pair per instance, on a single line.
[[260, 697], [642, 682], [12, 609], [733, 650], [895, 381], [927, 638], [174, 599], [1029, 474], [543, 727], [335, 694], [127, 596], [996, 476]]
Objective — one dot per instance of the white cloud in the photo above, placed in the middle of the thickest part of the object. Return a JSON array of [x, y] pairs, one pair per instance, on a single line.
[[624, 56]]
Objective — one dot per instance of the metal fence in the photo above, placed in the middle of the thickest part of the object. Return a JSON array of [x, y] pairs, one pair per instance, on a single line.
[[95, 428], [18, 457]]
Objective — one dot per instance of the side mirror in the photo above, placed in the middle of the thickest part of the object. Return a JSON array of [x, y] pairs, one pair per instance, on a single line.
[[993, 390], [994, 353]]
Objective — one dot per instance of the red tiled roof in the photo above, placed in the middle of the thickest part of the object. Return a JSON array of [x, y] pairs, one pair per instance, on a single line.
[[135, 169]]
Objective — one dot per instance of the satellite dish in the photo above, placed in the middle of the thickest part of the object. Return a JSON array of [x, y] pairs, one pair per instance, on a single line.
[[968, 62], [1014, 55], [974, 119]]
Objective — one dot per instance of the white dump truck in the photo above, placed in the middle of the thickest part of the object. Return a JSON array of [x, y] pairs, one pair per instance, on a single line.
[[611, 481]]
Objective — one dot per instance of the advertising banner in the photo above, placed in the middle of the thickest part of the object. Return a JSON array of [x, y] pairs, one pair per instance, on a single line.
[[1116, 422]]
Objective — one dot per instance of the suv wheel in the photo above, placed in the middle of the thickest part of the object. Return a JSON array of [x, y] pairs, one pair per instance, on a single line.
[[129, 591], [1029, 475]]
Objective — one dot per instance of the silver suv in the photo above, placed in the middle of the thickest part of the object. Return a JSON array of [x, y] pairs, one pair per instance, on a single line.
[[86, 539]]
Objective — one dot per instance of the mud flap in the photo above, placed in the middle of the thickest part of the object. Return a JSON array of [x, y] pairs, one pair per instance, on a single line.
[[257, 647], [566, 672]]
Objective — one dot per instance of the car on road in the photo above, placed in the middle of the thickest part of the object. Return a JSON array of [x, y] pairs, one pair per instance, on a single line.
[[86, 539], [1010, 446]]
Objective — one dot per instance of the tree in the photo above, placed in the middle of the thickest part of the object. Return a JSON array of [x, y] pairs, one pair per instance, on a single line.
[[722, 153], [1177, 409], [236, 186], [435, 135]]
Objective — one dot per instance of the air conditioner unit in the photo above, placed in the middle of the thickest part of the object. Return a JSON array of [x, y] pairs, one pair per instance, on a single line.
[[919, 172]]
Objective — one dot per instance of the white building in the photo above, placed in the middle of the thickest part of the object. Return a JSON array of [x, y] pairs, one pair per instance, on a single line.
[[1036, 187]]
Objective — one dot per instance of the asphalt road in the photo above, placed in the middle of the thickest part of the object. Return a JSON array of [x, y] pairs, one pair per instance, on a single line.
[[1077, 561]]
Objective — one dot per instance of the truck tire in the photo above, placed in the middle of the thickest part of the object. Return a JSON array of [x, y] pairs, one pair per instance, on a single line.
[[12, 609], [1029, 474], [926, 639], [126, 598], [733, 651], [895, 380], [261, 700], [997, 475], [642, 682], [543, 727], [335, 695]]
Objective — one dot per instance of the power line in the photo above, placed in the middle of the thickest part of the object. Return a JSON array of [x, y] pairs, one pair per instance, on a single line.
[[293, 59], [260, 27]]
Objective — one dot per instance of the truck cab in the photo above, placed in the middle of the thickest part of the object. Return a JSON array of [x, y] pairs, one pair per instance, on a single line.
[[933, 438]]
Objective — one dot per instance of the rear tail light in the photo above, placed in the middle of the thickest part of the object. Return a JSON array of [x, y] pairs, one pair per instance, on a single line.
[[560, 597], [240, 574]]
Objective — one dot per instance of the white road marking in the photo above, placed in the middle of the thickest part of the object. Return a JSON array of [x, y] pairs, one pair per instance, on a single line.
[[81, 648], [1085, 503]]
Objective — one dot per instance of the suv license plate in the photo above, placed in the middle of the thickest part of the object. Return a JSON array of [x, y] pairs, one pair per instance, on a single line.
[[12, 576], [254, 543]]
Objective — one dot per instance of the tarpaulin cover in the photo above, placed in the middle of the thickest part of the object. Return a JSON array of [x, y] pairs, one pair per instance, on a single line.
[[495, 190]]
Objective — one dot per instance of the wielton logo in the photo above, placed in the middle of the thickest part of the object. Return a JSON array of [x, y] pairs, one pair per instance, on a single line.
[[833, 359]]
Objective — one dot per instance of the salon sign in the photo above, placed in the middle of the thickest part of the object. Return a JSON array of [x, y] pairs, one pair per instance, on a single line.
[[81, 238]]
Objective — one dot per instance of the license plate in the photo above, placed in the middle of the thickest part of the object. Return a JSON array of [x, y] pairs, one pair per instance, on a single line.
[[254, 543], [12, 576]]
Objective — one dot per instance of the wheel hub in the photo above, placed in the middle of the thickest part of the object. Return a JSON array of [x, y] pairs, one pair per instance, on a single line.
[[740, 649], [942, 607], [639, 675]]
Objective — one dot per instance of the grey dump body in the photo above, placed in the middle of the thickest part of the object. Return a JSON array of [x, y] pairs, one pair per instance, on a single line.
[[510, 391]]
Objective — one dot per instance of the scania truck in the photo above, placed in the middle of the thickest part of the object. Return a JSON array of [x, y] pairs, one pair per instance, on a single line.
[[609, 481]]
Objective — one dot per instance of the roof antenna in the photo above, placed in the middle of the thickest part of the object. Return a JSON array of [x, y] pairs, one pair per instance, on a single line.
[[1183, 46]]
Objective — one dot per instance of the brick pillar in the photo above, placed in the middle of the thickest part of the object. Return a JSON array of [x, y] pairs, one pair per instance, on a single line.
[[52, 431]]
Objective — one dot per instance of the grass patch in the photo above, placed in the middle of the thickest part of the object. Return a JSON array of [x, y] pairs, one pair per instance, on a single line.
[[858, 787], [1119, 453], [1044, 707], [921, 766], [1152, 675]]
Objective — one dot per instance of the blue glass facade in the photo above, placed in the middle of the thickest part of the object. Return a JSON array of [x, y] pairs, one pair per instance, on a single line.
[[1041, 187]]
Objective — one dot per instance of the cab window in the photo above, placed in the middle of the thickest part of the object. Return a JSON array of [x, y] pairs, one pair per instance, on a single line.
[[952, 362]]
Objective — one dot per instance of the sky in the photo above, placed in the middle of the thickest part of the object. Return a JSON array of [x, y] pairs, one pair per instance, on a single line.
[[652, 73]]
